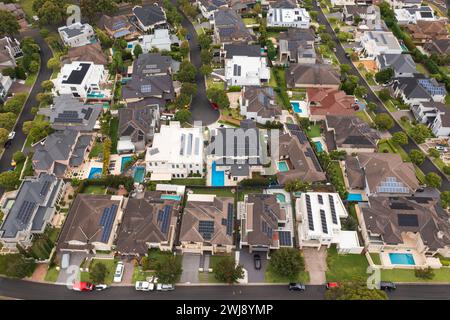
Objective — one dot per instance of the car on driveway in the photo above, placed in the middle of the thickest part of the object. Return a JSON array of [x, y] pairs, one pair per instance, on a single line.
[[387, 285], [297, 287], [83, 286], [144, 286], [119, 272], [332, 285], [164, 287], [257, 261]]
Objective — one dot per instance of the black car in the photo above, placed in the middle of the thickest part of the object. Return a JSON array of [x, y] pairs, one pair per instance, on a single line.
[[297, 287], [188, 37], [387, 285], [257, 261], [347, 55]]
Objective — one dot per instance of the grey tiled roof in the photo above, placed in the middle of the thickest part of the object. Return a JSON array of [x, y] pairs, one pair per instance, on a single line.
[[149, 15], [400, 63]]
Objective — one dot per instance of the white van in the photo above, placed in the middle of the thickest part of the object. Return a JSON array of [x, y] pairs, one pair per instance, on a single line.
[[119, 272]]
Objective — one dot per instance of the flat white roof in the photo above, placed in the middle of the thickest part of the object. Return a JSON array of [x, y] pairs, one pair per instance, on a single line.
[[348, 240], [161, 177], [201, 197], [170, 188]]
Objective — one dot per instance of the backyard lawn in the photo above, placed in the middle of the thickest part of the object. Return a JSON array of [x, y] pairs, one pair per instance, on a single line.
[[402, 275], [188, 182], [95, 190], [140, 275], [96, 150], [249, 21], [314, 131], [345, 267], [375, 258], [110, 266], [220, 192], [243, 192], [362, 114], [271, 277]]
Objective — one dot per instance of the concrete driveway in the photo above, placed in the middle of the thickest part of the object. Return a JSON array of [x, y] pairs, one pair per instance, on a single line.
[[246, 260], [316, 264], [191, 263], [75, 260]]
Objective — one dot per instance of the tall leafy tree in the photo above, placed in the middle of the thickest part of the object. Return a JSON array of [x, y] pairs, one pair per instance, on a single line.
[[355, 291], [8, 24], [287, 262], [227, 271], [169, 270]]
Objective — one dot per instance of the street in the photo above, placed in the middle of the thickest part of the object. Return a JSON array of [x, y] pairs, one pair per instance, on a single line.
[[427, 166]]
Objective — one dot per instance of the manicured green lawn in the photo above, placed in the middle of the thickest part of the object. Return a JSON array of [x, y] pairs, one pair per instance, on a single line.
[[439, 163], [189, 182], [95, 190], [314, 131], [391, 148], [27, 6], [110, 266], [363, 116], [402, 275], [376, 258], [52, 275], [271, 277], [208, 277], [345, 267], [155, 256], [96, 150], [421, 68], [31, 79], [447, 99], [140, 275], [249, 21], [214, 84], [243, 192], [114, 134], [419, 174], [220, 192]]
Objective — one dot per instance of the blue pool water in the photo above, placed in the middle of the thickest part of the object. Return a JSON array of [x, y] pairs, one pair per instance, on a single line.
[[95, 173], [96, 95], [282, 166], [281, 197], [296, 107], [217, 177], [402, 258], [123, 161], [318, 146], [139, 174], [171, 197], [354, 197]]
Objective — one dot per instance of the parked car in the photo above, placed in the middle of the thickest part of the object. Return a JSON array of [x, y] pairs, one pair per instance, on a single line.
[[441, 148], [387, 285], [215, 106], [144, 286], [257, 261], [100, 287], [83, 286], [65, 261], [347, 55], [331, 285], [119, 272], [11, 135], [188, 37], [164, 287], [297, 287]]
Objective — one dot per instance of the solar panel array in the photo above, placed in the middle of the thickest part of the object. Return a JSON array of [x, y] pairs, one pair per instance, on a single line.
[[266, 229], [68, 117], [206, 229], [309, 211], [88, 114], [408, 220], [323, 220], [309, 153], [25, 212], [391, 185], [320, 198], [285, 238], [333, 209], [107, 221], [146, 88], [432, 88], [230, 219], [45, 188], [163, 219], [400, 206]]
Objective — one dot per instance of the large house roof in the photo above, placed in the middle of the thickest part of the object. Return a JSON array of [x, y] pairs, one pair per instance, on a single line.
[[400, 63], [230, 26], [137, 122], [91, 52], [149, 15], [330, 102], [262, 101], [311, 75]]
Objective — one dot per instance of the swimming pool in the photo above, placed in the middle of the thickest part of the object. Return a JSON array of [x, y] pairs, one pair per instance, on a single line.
[[95, 173], [319, 146], [402, 258], [354, 197], [171, 197], [139, 174], [296, 107], [217, 177], [281, 197], [282, 166], [123, 161]]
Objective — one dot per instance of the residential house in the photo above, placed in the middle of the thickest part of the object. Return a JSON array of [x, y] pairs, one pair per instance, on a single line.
[[118, 27], [403, 65], [427, 31], [365, 18], [32, 210], [320, 217], [417, 89], [13, 8], [67, 112], [77, 34], [297, 46], [229, 28], [84, 80], [412, 15], [263, 224], [176, 152], [312, 76], [288, 17], [245, 65], [290, 4], [398, 4], [151, 81], [259, 104], [91, 52], [60, 152], [148, 222], [381, 174], [137, 126], [5, 84], [296, 153], [9, 51], [235, 154], [375, 43], [207, 225], [438, 46], [208, 7], [341, 3], [161, 39], [91, 224], [415, 225], [150, 17], [325, 102], [434, 114], [351, 134], [242, 6]]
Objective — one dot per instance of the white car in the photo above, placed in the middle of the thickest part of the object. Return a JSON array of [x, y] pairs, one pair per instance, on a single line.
[[11, 135], [144, 286], [164, 287], [119, 272]]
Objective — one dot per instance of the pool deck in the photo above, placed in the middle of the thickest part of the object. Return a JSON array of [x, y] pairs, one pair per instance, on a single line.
[[419, 259], [289, 226]]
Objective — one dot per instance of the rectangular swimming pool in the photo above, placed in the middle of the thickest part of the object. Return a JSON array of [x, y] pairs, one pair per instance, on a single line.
[[282, 166], [217, 177], [296, 107], [123, 162], [402, 258], [171, 197], [354, 197], [95, 173], [319, 146], [139, 174]]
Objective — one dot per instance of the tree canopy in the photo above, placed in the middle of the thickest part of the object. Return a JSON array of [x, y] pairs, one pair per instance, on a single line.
[[287, 262], [8, 24], [169, 270], [227, 271], [383, 121]]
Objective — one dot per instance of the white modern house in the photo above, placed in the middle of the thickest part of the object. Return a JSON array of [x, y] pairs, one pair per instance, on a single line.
[[176, 152], [434, 114], [245, 65], [398, 4], [83, 80], [208, 7], [375, 43], [5, 85], [319, 225], [288, 17], [412, 15], [77, 34], [161, 39]]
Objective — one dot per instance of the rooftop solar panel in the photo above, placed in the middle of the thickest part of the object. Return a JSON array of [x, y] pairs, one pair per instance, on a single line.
[[230, 219], [333, 209], [309, 211], [323, 220], [285, 238], [408, 220]]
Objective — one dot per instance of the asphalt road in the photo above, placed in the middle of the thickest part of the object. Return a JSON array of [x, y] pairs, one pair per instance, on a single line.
[[44, 74], [427, 166]]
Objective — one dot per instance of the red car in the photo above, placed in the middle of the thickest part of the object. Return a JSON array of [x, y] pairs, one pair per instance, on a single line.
[[83, 286], [214, 106], [331, 285]]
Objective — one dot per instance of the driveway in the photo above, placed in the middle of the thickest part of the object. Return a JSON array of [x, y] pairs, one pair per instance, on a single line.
[[75, 260], [191, 263], [246, 260], [316, 264]]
